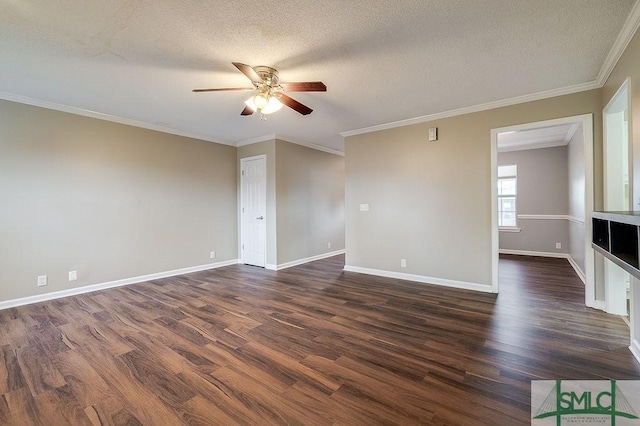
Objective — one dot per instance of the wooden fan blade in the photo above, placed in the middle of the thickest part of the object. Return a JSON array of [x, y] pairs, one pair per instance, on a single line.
[[224, 89], [305, 86], [247, 111], [248, 71], [295, 105]]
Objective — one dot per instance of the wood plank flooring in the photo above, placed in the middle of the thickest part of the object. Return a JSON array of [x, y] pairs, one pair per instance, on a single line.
[[309, 345]]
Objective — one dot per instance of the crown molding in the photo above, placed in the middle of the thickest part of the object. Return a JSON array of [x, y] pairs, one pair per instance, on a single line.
[[539, 143], [624, 38], [311, 145], [534, 145], [258, 139], [289, 139], [107, 117], [571, 133], [140, 124], [576, 88], [627, 32]]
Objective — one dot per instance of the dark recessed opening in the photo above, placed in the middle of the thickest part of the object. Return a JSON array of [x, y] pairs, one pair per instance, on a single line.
[[601, 233], [624, 242]]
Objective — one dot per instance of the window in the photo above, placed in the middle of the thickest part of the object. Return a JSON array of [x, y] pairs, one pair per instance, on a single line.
[[507, 189]]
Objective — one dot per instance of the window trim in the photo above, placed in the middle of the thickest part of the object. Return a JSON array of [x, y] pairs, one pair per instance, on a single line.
[[515, 227]]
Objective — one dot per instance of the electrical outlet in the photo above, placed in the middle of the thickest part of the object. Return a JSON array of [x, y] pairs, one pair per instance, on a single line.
[[328, 245], [403, 263], [73, 275], [42, 280], [212, 255], [558, 245]]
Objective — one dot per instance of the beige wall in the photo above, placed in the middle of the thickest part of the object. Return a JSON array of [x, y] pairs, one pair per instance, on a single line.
[[117, 201], [108, 200], [305, 200], [310, 202], [628, 66], [430, 203]]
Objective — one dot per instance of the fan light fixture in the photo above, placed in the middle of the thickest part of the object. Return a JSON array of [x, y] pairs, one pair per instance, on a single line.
[[271, 94], [267, 104], [261, 100]]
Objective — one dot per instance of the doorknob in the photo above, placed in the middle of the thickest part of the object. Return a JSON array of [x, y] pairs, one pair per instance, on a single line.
[[260, 218]]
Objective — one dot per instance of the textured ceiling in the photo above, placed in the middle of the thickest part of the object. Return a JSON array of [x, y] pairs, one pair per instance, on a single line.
[[382, 61]]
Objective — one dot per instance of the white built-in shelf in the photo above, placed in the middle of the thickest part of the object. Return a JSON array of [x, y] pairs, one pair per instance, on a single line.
[[616, 236]]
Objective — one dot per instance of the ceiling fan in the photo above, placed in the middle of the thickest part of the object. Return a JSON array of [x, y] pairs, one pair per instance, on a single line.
[[270, 96]]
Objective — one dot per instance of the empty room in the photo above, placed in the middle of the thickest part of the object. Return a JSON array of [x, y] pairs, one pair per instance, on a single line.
[[319, 213]]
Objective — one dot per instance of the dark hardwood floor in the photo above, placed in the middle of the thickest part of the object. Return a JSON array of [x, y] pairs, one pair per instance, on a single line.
[[307, 345]]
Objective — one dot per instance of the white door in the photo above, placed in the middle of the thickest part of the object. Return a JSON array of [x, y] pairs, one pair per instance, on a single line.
[[253, 206]]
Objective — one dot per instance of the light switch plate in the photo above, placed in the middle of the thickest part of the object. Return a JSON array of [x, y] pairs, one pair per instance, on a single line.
[[42, 280], [73, 275], [364, 207]]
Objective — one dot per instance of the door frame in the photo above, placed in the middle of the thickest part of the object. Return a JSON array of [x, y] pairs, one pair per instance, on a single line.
[[240, 221], [624, 89], [587, 133]]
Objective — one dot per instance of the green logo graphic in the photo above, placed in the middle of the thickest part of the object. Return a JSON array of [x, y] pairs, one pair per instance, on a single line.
[[610, 402]]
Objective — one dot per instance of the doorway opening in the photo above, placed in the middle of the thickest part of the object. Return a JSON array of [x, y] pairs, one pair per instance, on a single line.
[[578, 131]]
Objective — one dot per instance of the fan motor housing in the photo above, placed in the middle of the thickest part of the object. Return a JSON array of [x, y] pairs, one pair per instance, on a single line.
[[269, 75]]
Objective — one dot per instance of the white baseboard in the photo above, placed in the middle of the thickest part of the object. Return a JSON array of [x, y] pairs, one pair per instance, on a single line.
[[420, 278], [567, 256], [635, 349], [303, 261], [111, 284], [576, 268], [534, 253]]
